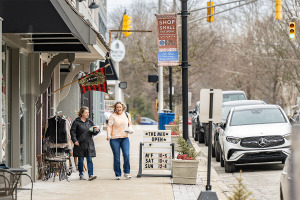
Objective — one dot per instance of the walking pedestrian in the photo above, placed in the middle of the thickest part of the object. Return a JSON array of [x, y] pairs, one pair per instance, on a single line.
[[82, 132], [119, 125]]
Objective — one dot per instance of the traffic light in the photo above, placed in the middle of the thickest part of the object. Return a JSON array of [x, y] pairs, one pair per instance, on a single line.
[[278, 9], [210, 11], [292, 29], [126, 25]]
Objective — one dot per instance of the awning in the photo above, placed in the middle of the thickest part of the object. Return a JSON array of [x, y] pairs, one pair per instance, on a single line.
[[48, 25]]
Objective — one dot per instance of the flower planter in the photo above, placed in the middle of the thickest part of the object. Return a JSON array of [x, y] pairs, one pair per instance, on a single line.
[[184, 171], [169, 127]]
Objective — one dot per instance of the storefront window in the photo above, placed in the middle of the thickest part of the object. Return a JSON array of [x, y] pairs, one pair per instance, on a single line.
[[24, 103]]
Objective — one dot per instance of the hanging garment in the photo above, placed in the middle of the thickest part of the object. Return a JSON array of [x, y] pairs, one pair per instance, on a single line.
[[61, 130]]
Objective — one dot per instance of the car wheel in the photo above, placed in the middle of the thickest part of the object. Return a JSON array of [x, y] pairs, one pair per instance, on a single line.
[[201, 137], [196, 136], [229, 167], [213, 151], [217, 153], [193, 132], [221, 159]]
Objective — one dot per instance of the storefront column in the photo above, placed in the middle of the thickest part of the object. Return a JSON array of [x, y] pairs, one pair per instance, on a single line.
[[15, 108], [34, 63]]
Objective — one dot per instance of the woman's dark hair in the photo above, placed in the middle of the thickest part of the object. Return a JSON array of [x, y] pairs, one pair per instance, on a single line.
[[81, 111]]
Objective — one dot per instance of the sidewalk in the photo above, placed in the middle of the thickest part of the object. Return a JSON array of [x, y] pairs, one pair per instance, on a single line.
[[106, 187], [188, 192]]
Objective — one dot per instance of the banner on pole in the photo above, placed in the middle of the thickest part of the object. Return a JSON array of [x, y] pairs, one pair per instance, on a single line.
[[93, 81], [167, 40]]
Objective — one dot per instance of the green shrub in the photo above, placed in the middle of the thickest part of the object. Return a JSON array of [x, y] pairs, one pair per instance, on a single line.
[[186, 148], [240, 190]]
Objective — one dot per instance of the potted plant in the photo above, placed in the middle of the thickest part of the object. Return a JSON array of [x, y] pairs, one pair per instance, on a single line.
[[185, 167]]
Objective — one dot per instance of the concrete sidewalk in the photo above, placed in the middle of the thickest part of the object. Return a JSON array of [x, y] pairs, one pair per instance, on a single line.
[[106, 187], [188, 192]]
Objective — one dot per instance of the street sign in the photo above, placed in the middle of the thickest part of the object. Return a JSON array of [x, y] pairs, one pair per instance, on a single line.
[[217, 105], [117, 52]]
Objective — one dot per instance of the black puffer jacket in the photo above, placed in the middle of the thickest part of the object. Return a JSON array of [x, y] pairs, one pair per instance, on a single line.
[[80, 132]]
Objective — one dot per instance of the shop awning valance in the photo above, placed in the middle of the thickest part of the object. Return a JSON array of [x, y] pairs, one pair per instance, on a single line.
[[48, 25]]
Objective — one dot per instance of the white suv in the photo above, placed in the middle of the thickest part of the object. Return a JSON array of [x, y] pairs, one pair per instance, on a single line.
[[256, 133]]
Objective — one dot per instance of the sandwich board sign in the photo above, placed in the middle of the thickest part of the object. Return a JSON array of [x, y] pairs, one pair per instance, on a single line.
[[155, 152]]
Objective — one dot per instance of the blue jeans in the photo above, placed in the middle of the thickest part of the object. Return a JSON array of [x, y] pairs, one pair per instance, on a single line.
[[116, 145], [89, 165]]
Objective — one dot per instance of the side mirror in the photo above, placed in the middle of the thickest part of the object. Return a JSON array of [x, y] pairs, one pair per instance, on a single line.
[[223, 125]]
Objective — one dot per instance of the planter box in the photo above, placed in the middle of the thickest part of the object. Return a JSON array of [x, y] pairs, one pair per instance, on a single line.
[[174, 139], [184, 171], [169, 127]]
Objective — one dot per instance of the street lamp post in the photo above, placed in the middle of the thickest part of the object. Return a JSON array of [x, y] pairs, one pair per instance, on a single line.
[[170, 81], [184, 65]]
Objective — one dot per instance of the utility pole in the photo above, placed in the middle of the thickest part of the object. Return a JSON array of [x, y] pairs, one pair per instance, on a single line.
[[160, 75], [184, 65]]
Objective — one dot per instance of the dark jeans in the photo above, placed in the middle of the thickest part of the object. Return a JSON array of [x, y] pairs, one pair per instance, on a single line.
[[89, 165], [116, 145]]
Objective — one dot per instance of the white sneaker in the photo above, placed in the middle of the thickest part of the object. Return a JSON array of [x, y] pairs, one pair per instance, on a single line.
[[118, 177], [127, 176]]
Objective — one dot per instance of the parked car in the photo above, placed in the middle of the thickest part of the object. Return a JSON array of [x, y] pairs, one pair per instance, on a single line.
[[226, 106], [230, 95], [197, 129], [289, 181], [252, 134], [147, 121], [285, 179], [233, 95]]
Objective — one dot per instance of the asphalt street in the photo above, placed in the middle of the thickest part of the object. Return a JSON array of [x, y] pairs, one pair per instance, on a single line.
[[262, 180]]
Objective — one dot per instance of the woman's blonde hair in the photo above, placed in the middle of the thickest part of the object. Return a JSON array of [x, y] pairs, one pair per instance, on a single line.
[[81, 111], [119, 102]]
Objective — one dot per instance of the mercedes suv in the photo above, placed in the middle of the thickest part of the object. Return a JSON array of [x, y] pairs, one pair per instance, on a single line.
[[252, 134]]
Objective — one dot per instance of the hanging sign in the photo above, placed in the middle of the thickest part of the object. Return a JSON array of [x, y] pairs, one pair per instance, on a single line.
[[157, 151], [117, 52], [167, 40]]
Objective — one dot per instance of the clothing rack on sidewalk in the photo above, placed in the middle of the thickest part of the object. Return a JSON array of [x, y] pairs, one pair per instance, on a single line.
[[57, 165]]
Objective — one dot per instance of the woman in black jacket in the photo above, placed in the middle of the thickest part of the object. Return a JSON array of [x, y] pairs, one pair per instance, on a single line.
[[82, 132]]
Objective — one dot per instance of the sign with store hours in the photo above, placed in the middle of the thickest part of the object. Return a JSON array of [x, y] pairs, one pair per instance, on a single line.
[[117, 52], [157, 136], [157, 149]]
